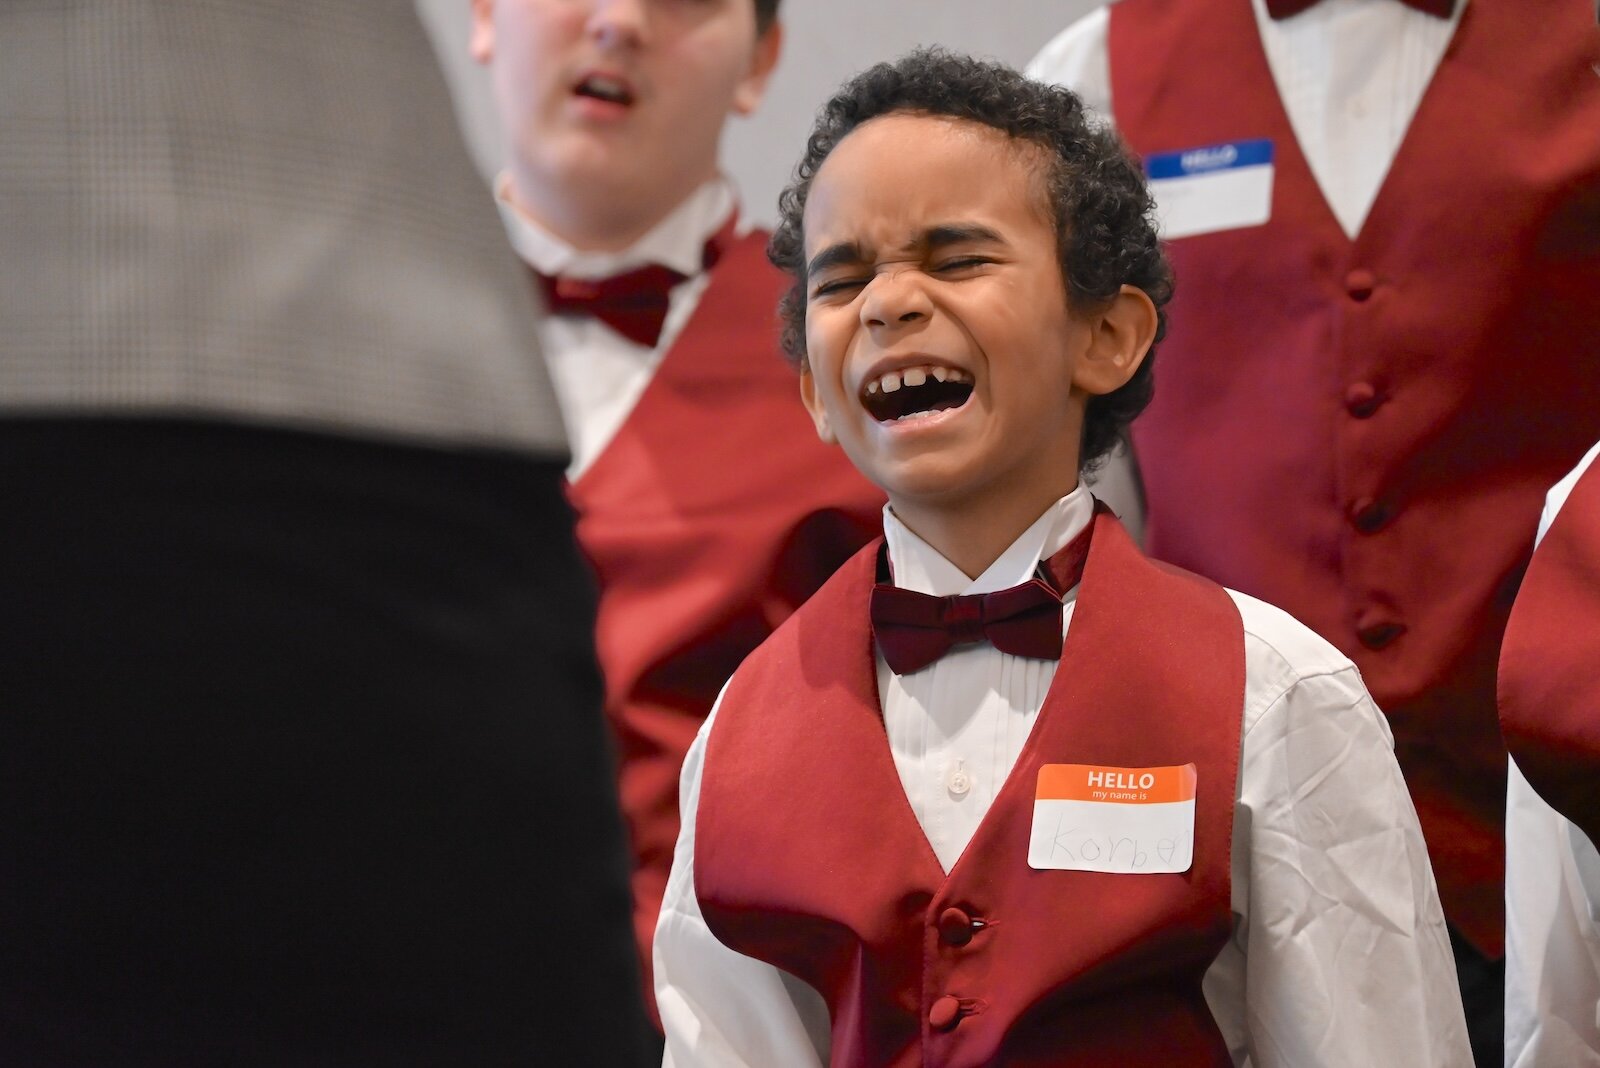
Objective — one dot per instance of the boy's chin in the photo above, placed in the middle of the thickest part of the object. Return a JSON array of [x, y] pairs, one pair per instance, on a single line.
[[927, 489]]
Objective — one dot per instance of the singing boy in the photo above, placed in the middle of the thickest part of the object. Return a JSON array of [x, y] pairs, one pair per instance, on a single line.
[[922, 826]]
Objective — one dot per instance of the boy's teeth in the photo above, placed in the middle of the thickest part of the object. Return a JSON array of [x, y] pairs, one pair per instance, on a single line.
[[915, 376], [605, 87]]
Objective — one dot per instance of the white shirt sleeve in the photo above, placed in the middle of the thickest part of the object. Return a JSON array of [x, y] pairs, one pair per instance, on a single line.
[[721, 1009], [1077, 59], [1552, 946], [1343, 957]]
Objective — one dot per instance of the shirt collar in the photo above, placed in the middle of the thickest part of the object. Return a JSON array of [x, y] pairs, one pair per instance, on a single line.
[[919, 566], [677, 241]]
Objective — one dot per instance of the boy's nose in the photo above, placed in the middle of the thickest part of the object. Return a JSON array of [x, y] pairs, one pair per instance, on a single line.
[[619, 23], [894, 298]]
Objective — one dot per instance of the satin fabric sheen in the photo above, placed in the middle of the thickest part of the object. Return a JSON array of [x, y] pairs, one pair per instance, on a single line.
[[1390, 440], [1068, 967]]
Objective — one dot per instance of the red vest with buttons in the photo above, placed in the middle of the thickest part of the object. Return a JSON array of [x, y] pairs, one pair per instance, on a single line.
[[1362, 431], [712, 515], [1550, 663], [808, 855]]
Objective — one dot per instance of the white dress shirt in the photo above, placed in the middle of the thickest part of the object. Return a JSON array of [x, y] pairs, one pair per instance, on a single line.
[[1339, 954], [598, 374], [1552, 913], [1350, 73]]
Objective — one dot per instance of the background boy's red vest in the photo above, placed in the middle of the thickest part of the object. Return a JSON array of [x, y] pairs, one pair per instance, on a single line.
[[710, 517], [1550, 664], [1362, 431], [808, 855]]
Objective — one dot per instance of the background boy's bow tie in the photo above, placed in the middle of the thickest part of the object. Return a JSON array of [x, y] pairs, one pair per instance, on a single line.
[[1282, 9], [634, 303], [915, 629]]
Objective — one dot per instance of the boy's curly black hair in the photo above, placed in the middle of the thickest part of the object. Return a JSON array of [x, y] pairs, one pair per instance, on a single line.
[[1105, 233]]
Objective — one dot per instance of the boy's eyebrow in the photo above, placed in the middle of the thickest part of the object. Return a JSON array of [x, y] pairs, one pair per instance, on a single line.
[[958, 234], [833, 256], [935, 237]]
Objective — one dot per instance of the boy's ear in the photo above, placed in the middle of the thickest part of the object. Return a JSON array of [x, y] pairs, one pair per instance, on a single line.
[[763, 58], [819, 415], [480, 45], [1120, 334]]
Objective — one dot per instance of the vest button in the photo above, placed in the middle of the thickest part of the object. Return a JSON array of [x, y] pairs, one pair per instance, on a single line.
[[1376, 633], [945, 1013], [1369, 516], [1360, 283], [1362, 399], [955, 927]]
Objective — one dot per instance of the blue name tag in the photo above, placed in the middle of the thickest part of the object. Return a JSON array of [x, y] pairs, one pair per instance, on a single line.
[[1209, 158], [1212, 187]]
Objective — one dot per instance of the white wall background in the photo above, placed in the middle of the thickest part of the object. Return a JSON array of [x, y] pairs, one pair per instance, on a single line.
[[826, 41]]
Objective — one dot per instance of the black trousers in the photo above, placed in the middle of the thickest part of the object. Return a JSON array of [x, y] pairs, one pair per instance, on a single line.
[[301, 759], [1483, 997]]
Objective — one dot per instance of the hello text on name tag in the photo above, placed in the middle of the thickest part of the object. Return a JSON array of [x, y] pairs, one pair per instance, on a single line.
[[1212, 187], [1133, 821]]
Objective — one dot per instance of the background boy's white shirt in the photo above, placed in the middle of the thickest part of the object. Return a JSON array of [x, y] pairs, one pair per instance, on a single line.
[[1350, 73], [1552, 912], [1339, 954], [598, 374]]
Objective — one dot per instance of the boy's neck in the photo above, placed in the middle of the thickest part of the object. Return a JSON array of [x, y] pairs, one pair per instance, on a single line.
[[973, 538], [596, 220]]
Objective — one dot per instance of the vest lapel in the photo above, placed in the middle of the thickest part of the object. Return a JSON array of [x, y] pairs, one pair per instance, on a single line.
[[692, 373], [1243, 103], [1108, 652]]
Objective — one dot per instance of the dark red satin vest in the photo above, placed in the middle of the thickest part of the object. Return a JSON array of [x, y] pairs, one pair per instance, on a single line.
[[1361, 432], [1550, 663], [808, 855], [711, 516]]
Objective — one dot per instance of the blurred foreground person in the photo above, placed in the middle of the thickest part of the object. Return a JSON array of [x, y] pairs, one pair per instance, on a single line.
[[300, 752]]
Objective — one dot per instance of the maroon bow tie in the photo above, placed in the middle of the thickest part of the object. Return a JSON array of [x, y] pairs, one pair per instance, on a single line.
[[1282, 9], [915, 629], [635, 303]]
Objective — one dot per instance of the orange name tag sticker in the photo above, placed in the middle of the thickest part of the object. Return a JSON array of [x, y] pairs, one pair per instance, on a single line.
[[1128, 821]]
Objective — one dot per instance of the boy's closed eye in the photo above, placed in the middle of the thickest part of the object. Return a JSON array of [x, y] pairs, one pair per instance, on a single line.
[[837, 286], [961, 263], [955, 265]]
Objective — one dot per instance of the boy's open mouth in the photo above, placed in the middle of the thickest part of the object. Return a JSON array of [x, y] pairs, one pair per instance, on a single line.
[[915, 391], [604, 87]]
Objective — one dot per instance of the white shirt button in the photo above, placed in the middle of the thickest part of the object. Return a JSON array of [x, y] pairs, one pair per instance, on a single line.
[[958, 782]]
